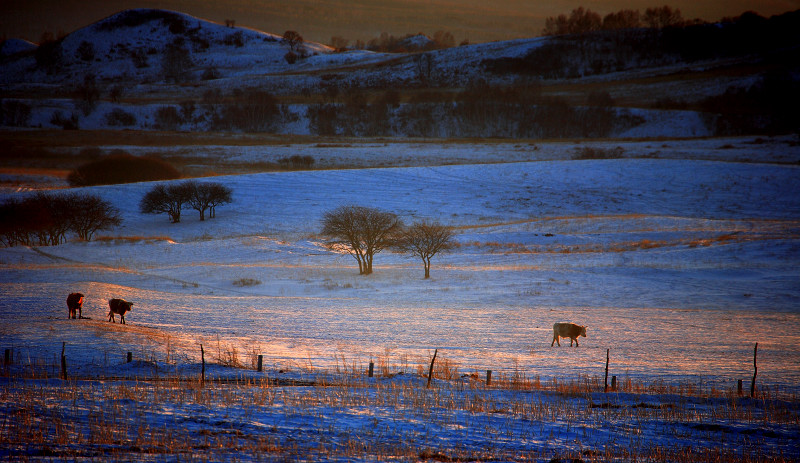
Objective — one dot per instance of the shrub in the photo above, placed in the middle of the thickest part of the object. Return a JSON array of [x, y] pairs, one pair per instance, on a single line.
[[235, 39], [87, 94], [115, 93], [122, 168], [67, 123], [176, 62], [168, 118], [296, 162], [139, 58], [120, 118], [211, 74], [85, 51], [591, 152], [15, 113]]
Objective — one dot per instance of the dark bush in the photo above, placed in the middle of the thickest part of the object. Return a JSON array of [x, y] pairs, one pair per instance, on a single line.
[[323, 119], [296, 162], [211, 74], [139, 58], [236, 39], [122, 168], [85, 51], [168, 118], [766, 107], [14, 113], [120, 118], [49, 56], [87, 94], [177, 62], [67, 123]]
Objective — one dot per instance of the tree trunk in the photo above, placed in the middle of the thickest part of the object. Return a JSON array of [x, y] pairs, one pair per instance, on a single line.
[[360, 260], [368, 264], [427, 263]]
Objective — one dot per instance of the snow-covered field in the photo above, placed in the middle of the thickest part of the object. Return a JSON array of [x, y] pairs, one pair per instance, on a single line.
[[678, 257]]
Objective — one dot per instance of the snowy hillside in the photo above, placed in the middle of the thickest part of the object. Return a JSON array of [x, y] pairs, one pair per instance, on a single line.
[[608, 243], [128, 46], [161, 70], [601, 198]]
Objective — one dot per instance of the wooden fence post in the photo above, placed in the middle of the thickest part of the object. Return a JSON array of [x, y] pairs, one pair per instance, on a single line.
[[260, 362], [605, 389], [739, 387], [371, 369], [488, 378], [203, 368], [63, 362], [430, 371], [755, 372], [130, 357], [8, 359]]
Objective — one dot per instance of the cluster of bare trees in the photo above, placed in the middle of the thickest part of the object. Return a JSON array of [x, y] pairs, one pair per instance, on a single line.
[[389, 43], [45, 219], [364, 231], [582, 20], [170, 198]]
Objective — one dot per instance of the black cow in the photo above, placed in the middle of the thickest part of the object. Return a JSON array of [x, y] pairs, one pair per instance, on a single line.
[[118, 306], [74, 304]]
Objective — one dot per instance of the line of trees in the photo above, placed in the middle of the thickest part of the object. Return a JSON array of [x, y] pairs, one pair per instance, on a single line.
[[364, 232], [481, 109], [581, 20], [170, 198], [45, 219]]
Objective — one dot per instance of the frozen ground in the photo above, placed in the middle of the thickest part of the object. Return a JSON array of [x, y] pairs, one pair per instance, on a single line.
[[678, 264]]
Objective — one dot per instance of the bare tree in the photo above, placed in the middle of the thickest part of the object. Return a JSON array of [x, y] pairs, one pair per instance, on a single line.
[[293, 39], [218, 195], [207, 196], [44, 218], [580, 21], [425, 239], [91, 213], [661, 17], [622, 19], [362, 231], [165, 199], [339, 43]]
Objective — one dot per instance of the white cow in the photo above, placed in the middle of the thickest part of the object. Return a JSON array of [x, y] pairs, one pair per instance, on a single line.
[[567, 330]]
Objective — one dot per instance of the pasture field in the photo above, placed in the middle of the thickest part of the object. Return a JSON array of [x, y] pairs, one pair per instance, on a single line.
[[678, 256]]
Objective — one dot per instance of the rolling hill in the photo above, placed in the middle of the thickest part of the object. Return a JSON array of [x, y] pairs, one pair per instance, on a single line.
[[161, 70]]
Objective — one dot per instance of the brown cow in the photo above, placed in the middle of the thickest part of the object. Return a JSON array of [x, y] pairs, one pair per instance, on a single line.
[[567, 330], [118, 306], [74, 304]]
